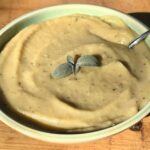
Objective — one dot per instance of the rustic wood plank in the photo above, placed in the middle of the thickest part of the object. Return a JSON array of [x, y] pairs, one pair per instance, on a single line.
[[11, 6], [127, 140]]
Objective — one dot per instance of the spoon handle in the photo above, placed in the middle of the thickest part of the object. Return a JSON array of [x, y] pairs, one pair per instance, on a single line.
[[139, 38]]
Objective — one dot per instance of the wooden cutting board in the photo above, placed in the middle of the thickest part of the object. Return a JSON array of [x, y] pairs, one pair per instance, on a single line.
[[127, 140]]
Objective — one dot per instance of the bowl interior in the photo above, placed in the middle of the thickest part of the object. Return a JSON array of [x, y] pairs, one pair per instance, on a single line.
[[49, 13]]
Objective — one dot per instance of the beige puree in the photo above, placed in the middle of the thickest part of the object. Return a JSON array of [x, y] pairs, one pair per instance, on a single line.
[[94, 98]]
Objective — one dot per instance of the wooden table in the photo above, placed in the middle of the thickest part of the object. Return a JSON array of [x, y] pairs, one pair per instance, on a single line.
[[127, 140]]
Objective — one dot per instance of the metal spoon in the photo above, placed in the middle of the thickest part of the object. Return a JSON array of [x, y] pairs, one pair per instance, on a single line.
[[138, 39]]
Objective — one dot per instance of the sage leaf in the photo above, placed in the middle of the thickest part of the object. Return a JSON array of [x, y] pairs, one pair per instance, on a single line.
[[86, 60], [70, 67], [70, 60], [62, 70]]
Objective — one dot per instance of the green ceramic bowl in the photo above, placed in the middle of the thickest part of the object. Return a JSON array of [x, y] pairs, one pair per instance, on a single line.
[[49, 13]]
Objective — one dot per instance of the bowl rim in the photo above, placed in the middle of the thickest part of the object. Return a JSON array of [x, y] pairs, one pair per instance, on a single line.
[[81, 137]]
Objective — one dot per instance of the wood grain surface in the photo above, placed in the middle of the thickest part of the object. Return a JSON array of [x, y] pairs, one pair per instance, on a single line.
[[127, 140]]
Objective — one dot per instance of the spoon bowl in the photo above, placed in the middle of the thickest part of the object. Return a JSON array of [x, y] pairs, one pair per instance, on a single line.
[[139, 39]]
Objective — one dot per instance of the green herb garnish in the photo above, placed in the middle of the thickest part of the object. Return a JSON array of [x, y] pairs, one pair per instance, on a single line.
[[70, 67]]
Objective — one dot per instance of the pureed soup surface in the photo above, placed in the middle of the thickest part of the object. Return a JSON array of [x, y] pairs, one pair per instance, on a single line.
[[94, 98]]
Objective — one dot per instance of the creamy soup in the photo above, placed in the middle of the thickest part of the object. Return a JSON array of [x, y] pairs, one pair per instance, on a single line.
[[94, 98]]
